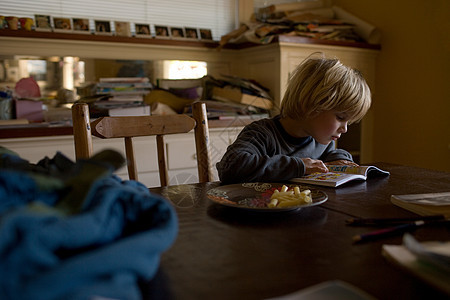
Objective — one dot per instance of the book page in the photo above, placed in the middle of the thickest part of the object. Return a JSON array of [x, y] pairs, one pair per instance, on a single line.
[[328, 179], [361, 170], [348, 169]]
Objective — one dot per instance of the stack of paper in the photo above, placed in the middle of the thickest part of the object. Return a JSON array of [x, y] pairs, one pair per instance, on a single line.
[[429, 261], [125, 97]]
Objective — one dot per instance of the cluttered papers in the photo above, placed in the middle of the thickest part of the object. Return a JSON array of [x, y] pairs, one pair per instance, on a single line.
[[311, 19]]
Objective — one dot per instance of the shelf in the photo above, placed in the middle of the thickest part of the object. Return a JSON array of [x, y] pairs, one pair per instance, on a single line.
[[105, 38], [172, 42], [306, 40]]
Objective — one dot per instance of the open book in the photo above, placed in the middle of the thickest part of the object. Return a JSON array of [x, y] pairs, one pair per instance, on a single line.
[[424, 204], [341, 174]]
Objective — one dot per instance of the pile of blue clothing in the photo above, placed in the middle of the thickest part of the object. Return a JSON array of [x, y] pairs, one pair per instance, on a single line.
[[76, 231]]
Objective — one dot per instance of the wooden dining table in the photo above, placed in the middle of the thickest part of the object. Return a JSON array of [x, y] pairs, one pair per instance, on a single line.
[[224, 252]]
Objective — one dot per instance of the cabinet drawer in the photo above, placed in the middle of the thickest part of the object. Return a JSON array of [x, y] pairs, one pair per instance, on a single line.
[[145, 153], [35, 149], [181, 154]]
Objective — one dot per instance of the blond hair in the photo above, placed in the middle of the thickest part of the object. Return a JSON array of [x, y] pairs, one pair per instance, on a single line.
[[320, 84]]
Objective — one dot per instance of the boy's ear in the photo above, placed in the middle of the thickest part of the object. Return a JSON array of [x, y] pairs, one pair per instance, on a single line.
[[314, 113]]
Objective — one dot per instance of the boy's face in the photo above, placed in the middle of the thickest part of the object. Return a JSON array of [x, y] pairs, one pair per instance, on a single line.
[[327, 126]]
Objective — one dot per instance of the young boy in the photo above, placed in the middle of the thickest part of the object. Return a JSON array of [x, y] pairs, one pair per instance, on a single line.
[[322, 98]]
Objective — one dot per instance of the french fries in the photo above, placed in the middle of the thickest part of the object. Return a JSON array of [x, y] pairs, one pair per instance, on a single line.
[[286, 197]]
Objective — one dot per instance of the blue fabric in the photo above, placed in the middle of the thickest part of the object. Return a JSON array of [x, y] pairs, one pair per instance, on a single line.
[[111, 239]]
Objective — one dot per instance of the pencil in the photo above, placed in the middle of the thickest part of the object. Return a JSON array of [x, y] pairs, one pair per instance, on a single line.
[[387, 232], [391, 221]]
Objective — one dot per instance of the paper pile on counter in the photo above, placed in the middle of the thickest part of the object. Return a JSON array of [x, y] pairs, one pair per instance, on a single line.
[[311, 19], [238, 96], [121, 96], [227, 97]]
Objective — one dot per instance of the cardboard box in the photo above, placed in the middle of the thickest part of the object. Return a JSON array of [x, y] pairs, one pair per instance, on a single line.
[[235, 95]]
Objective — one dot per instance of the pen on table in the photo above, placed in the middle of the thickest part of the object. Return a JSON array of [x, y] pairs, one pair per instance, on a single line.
[[387, 232], [391, 221], [397, 230]]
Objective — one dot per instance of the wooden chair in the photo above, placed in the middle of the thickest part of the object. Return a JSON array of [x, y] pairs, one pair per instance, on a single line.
[[129, 127]]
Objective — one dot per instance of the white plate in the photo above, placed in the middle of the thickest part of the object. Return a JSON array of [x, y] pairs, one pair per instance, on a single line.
[[256, 195]]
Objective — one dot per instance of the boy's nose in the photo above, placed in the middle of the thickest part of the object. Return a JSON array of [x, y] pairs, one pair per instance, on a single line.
[[343, 128]]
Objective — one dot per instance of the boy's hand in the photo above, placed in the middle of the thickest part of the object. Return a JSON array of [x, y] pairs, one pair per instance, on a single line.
[[314, 166], [342, 162]]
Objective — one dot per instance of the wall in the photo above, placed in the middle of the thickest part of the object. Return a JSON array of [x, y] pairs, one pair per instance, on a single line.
[[412, 101]]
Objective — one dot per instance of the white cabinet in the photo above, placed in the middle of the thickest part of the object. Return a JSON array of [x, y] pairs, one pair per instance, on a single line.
[[182, 163]]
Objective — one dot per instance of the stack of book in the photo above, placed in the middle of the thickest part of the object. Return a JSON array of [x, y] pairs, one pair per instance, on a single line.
[[242, 91], [232, 97], [424, 204], [123, 96]]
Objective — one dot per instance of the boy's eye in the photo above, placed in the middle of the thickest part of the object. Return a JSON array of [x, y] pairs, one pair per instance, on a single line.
[[341, 117]]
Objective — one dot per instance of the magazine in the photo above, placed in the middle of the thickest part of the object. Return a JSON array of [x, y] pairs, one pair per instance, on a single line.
[[424, 204], [340, 174]]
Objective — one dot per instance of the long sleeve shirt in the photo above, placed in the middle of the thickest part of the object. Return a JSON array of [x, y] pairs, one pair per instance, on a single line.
[[264, 151]]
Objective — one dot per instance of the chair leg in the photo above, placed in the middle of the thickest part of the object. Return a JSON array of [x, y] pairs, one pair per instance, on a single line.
[[202, 142], [163, 172], [131, 161], [82, 131]]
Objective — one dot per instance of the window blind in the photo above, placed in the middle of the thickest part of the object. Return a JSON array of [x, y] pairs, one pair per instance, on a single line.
[[217, 15]]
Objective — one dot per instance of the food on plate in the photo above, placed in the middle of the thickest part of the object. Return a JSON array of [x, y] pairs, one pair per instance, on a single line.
[[286, 197]]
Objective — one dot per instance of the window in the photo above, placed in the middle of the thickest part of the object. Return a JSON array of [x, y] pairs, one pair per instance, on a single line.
[[217, 15], [175, 69]]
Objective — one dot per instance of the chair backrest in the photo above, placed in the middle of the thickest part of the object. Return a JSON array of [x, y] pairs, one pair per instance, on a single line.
[[129, 127]]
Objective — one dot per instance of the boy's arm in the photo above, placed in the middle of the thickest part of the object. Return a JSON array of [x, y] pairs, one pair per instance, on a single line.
[[239, 165], [314, 166], [253, 157]]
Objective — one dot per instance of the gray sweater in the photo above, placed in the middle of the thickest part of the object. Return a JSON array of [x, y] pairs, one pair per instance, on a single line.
[[265, 152]]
